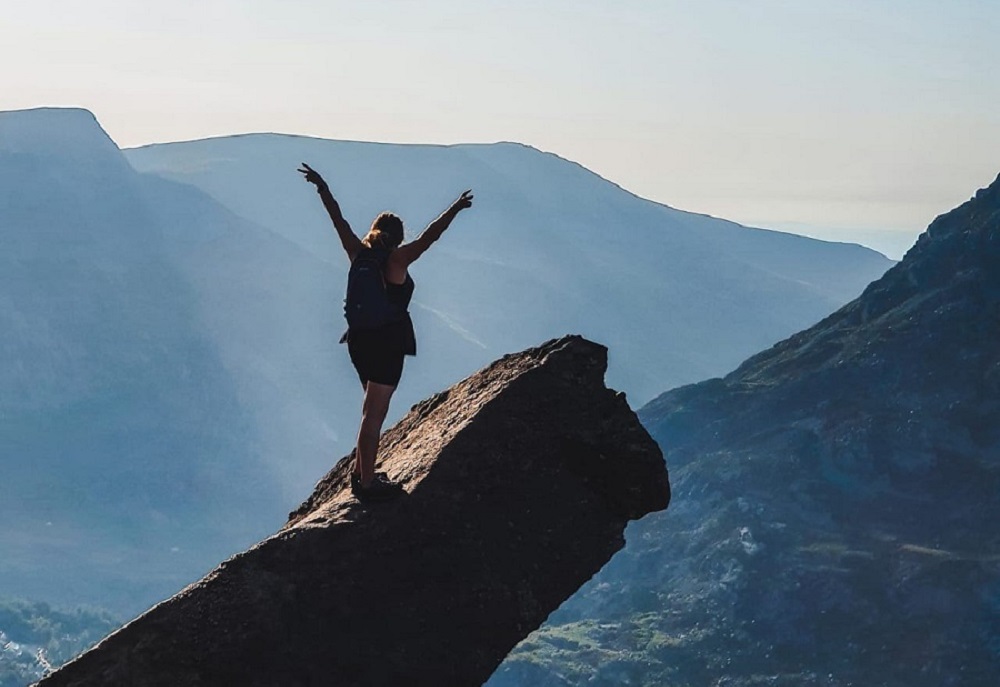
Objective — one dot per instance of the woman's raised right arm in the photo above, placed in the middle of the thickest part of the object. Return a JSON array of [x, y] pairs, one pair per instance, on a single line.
[[350, 241]]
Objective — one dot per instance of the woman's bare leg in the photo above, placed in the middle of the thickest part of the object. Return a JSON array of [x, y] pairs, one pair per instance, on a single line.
[[373, 412]]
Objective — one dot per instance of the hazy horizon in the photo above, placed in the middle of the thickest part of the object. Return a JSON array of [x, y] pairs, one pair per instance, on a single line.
[[891, 243], [846, 121]]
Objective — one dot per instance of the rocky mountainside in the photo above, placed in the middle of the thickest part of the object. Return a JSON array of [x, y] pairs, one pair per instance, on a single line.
[[549, 247], [520, 481], [835, 501]]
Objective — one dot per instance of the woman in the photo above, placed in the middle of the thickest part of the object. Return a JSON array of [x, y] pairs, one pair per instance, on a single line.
[[377, 352]]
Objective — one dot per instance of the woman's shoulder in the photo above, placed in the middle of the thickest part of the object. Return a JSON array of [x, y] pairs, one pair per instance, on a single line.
[[397, 271], [397, 256]]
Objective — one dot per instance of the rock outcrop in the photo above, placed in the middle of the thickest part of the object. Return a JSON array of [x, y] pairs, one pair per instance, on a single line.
[[520, 481], [835, 501]]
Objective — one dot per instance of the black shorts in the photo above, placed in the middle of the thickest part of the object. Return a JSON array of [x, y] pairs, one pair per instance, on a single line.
[[377, 358]]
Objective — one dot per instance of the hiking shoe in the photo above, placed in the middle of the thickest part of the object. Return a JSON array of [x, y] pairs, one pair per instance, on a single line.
[[356, 479], [380, 489]]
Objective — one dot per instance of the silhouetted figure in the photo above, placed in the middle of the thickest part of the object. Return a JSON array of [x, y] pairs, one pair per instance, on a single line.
[[380, 332]]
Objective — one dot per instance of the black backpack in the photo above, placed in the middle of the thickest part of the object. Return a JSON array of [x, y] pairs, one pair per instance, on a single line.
[[367, 304]]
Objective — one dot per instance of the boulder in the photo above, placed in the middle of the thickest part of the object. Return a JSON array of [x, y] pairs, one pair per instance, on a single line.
[[519, 480]]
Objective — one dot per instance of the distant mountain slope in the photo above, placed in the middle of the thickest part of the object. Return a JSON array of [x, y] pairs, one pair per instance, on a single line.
[[171, 377], [118, 423], [835, 501], [548, 248]]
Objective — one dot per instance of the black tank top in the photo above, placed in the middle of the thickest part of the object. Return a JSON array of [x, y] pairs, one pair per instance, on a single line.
[[400, 332], [400, 294]]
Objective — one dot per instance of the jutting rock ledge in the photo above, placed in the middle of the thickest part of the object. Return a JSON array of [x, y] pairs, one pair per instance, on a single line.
[[520, 482]]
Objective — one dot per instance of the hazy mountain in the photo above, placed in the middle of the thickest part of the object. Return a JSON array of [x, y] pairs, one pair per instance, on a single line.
[[171, 378], [119, 426], [834, 502], [172, 381], [548, 247]]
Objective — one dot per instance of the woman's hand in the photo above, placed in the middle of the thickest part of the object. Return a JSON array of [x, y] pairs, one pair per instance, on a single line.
[[464, 201], [313, 177]]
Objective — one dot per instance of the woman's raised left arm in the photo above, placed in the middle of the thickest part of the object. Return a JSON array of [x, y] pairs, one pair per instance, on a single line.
[[409, 252]]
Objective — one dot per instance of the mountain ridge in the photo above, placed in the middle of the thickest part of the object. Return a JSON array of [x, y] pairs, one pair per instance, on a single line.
[[538, 216], [488, 144]]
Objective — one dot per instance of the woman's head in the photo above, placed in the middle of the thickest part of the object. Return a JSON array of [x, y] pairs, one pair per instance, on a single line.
[[386, 232]]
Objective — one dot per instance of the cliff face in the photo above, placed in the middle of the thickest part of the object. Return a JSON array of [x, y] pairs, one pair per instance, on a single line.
[[520, 481], [835, 501]]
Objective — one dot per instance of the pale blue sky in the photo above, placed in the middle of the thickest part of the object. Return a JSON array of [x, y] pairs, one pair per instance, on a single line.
[[858, 120]]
